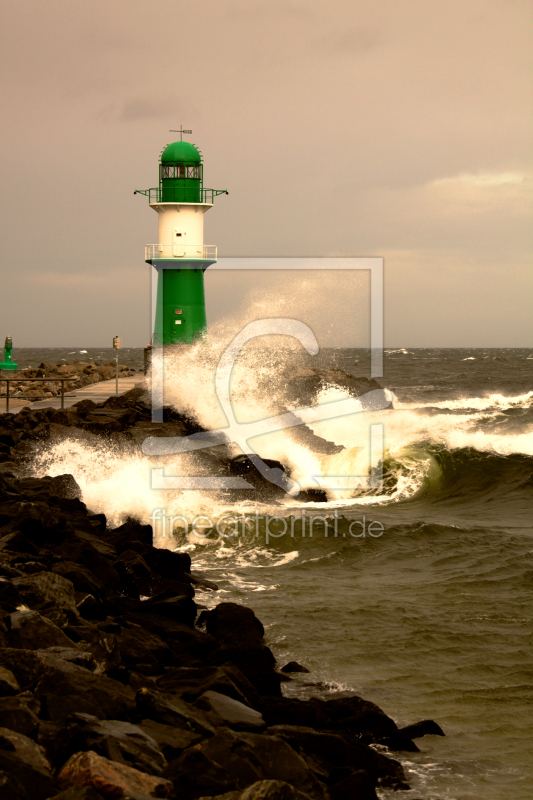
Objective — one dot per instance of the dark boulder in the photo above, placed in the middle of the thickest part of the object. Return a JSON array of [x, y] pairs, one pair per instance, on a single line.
[[293, 666], [194, 774], [142, 650], [81, 578], [89, 555], [50, 594], [180, 609], [396, 741], [246, 758], [30, 631], [355, 715], [156, 587], [332, 756], [81, 658], [130, 531], [128, 581], [190, 683], [257, 664], [136, 563], [189, 646], [22, 759], [357, 785], [203, 583], [52, 486], [8, 683], [133, 397], [225, 711], [168, 564], [288, 711], [235, 626], [20, 714], [99, 639], [111, 778], [66, 416], [313, 495], [419, 729], [323, 751], [173, 712], [266, 488], [64, 688], [109, 420], [98, 521], [9, 595], [86, 532], [38, 521], [84, 692], [171, 740], [16, 542], [114, 739], [240, 634], [84, 407]]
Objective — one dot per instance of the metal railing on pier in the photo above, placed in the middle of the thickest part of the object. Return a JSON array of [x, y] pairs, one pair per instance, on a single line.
[[19, 379]]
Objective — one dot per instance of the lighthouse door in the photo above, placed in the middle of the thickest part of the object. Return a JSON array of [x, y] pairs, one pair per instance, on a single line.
[[178, 243]]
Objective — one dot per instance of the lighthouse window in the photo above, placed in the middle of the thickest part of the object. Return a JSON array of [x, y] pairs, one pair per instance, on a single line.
[[175, 171], [193, 172]]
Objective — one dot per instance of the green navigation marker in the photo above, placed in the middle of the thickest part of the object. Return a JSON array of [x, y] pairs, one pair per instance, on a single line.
[[8, 347]]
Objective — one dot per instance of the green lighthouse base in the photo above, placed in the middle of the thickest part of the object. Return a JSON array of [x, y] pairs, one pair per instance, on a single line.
[[180, 308]]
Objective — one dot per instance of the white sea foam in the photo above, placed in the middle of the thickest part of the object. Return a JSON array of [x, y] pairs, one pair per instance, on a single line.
[[119, 483], [493, 401]]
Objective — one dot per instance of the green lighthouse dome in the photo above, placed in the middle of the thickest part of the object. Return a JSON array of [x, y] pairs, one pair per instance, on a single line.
[[181, 174], [185, 152]]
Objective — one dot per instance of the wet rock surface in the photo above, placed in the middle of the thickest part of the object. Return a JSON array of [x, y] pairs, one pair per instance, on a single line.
[[113, 685]]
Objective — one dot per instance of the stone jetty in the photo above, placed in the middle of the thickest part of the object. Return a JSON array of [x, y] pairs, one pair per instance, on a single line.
[[114, 683]]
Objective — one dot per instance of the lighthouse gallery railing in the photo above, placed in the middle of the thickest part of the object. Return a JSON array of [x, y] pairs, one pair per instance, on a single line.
[[206, 195], [186, 252]]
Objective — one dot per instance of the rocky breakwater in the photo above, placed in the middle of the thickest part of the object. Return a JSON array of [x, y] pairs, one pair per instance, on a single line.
[[79, 373], [112, 685]]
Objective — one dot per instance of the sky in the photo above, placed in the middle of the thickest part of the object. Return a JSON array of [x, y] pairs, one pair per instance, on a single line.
[[393, 128]]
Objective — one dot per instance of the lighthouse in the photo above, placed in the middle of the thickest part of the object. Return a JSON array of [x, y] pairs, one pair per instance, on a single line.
[[180, 255]]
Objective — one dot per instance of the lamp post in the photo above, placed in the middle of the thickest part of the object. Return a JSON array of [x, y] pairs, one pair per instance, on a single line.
[[117, 344]]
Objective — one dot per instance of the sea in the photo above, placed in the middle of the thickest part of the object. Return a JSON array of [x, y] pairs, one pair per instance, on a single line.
[[415, 594]]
